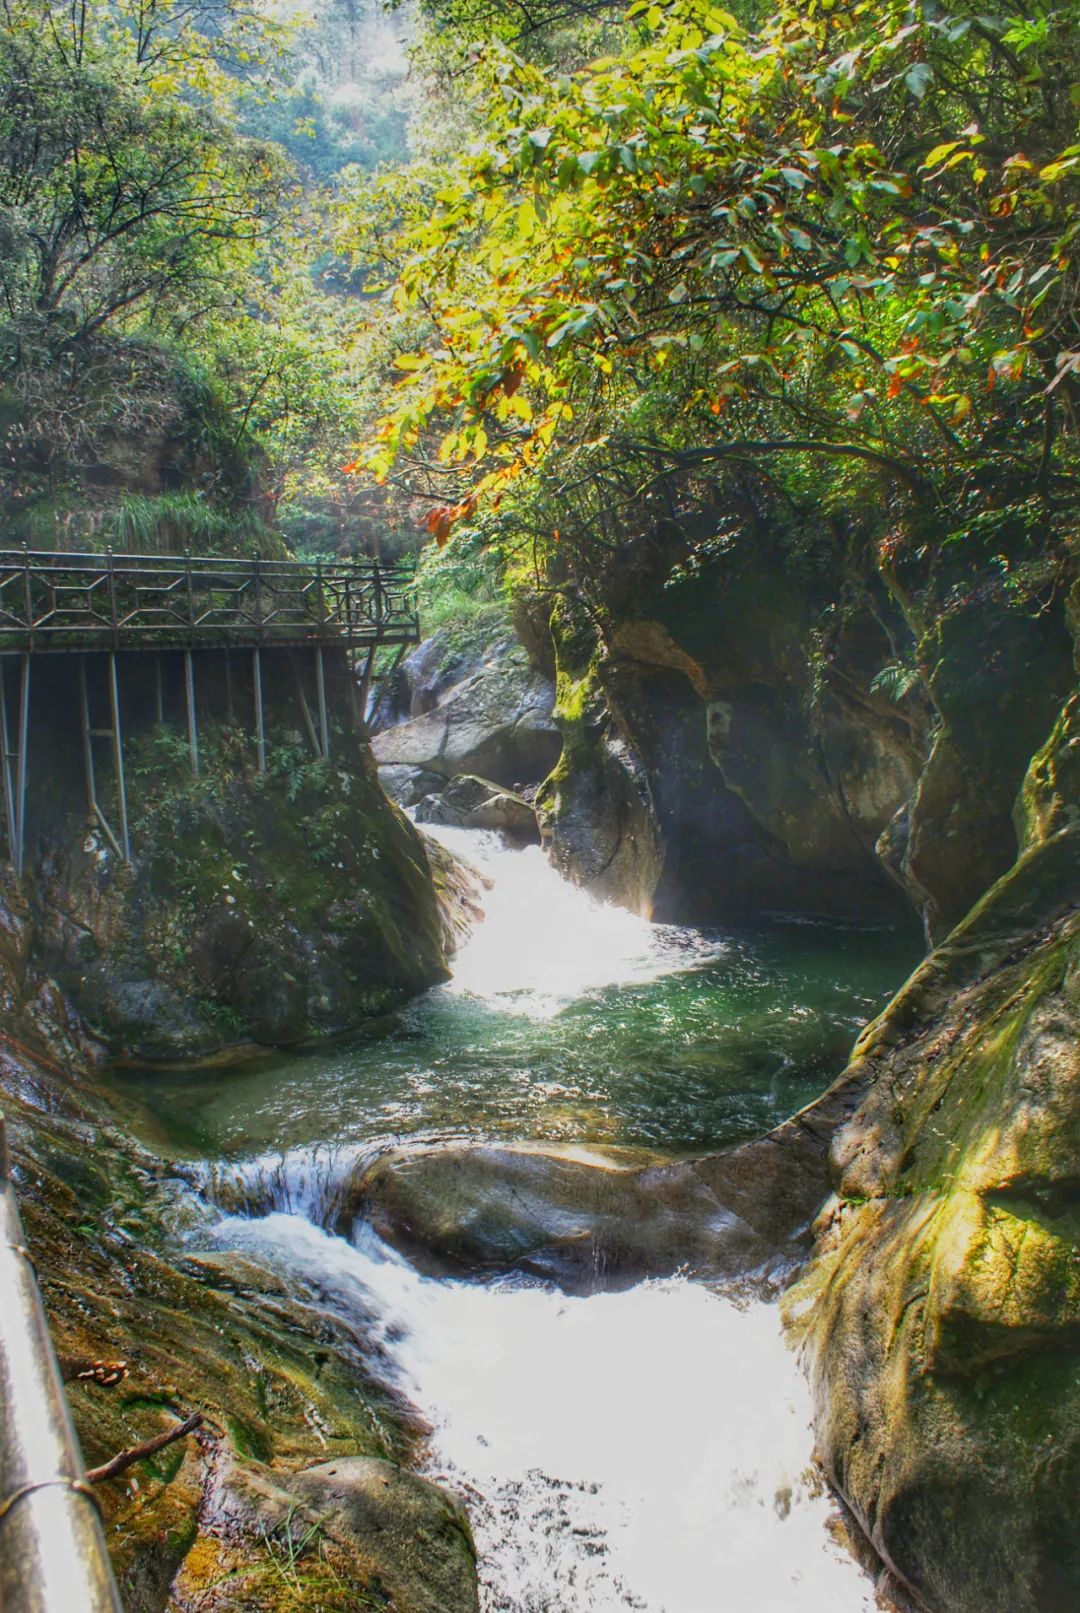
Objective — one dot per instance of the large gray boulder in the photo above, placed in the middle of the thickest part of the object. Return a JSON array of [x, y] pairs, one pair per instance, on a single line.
[[495, 721], [408, 785], [356, 1531], [469, 802]]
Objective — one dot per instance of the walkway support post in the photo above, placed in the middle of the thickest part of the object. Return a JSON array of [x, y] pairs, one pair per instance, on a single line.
[[89, 735], [118, 757], [20, 786], [324, 721], [192, 719], [9, 788], [52, 1546], [88, 741], [260, 730]]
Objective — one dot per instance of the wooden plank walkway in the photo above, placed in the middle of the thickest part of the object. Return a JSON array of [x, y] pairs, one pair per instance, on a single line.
[[53, 602]]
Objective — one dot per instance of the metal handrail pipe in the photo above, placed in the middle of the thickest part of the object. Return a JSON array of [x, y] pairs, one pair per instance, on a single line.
[[53, 1557]]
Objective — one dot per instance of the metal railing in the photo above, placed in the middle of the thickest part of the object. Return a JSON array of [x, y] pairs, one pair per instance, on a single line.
[[51, 601], [52, 1546]]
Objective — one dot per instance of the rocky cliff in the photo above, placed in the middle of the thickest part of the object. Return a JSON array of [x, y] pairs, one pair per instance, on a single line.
[[797, 724], [941, 1311]]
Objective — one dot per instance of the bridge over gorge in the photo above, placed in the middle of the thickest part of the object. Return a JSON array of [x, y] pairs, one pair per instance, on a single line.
[[114, 615]]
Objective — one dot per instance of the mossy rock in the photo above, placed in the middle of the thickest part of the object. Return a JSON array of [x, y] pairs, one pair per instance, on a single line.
[[941, 1312], [275, 908], [146, 1336]]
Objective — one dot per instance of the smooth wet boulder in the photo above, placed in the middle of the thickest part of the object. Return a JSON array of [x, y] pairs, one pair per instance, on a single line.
[[592, 1219], [941, 1311], [469, 802], [496, 721]]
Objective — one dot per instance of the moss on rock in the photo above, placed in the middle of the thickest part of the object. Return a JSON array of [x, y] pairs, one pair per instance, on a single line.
[[941, 1312], [274, 907]]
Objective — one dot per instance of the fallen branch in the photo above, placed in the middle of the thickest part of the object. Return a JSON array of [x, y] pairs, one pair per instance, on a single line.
[[149, 1447]]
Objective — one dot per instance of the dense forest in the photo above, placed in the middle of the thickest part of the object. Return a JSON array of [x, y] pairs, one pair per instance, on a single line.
[[714, 373]]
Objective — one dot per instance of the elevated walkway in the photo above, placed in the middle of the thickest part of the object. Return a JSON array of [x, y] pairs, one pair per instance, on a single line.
[[96, 609], [63, 602]]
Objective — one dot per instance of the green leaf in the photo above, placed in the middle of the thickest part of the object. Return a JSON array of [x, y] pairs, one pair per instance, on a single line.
[[919, 78]]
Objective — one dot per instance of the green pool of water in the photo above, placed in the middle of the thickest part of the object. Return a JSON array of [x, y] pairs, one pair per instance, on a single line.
[[698, 1039]]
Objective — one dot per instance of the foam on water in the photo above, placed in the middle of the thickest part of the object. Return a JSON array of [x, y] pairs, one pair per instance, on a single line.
[[646, 1450], [544, 942]]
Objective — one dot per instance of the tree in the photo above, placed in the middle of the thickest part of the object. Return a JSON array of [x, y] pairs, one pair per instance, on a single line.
[[845, 236], [125, 188]]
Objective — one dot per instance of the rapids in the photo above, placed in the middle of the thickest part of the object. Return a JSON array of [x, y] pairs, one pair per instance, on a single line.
[[644, 1450]]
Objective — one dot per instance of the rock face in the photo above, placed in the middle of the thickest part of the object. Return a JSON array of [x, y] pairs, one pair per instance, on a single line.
[[941, 1312], [246, 915], [712, 769], [273, 907], [459, 891], [788, 727], [495, 720]]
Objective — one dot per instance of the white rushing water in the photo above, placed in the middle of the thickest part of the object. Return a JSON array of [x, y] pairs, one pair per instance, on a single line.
[[646, 1450], [544, 942]]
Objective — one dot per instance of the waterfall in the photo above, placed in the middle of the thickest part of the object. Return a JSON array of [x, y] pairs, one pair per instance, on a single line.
[[647, 1450], [545, 943]]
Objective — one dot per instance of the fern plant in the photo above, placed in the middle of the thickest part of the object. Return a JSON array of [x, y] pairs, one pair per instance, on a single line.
[[895, 680]]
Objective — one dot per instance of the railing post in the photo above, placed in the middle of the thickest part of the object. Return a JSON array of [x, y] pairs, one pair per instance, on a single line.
[[52, 1546], [190, 601], [258, 601], [377, 580], [28, 597], [113, 613]]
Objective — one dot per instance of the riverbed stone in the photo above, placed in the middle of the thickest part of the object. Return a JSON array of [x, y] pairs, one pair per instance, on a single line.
[[415, 1532], [408, 785], [598, 1218]]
